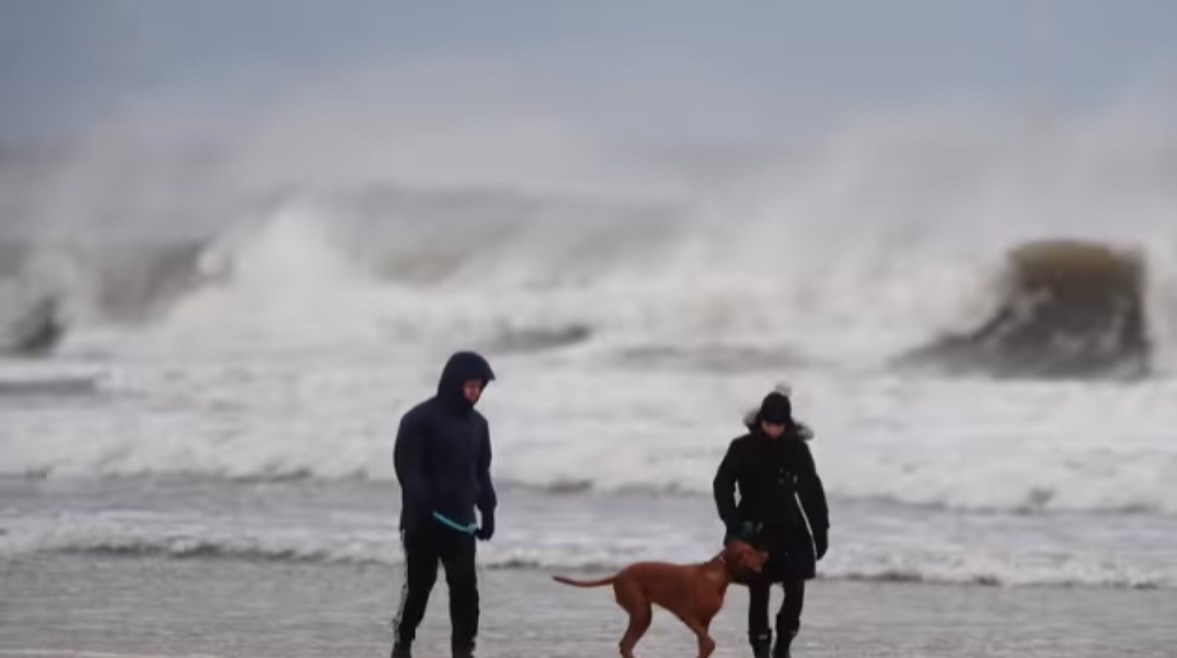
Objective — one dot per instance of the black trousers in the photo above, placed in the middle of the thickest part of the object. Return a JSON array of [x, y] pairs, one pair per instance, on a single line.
[[424, 550], [788, 618]]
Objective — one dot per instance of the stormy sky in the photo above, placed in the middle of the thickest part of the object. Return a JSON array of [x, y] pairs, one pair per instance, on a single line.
[[652, 69]]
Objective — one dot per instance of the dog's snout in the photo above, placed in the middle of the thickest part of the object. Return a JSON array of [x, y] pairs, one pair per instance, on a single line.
[[758, 563]]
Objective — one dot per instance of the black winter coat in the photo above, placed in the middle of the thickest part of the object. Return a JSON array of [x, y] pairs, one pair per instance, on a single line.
[[442, 453], [781, 506]]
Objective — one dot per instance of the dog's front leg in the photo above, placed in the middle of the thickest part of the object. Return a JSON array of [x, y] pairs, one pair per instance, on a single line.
[[701, 629]]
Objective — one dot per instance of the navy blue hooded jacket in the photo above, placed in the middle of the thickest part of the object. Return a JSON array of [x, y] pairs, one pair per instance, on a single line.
[[442, 452]]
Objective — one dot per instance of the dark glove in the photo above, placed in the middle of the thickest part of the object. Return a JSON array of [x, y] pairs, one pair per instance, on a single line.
[[742, 530], [821, 541], [487, 529]]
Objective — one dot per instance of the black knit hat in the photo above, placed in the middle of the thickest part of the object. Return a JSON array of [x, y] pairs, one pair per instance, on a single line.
[[776, 409]]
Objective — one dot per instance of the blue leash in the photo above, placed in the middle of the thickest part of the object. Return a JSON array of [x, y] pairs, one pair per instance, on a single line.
[[454, 525]]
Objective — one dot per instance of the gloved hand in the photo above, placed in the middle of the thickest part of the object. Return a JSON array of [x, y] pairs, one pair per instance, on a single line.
[[742, 530], [821, 541], [487, 529]]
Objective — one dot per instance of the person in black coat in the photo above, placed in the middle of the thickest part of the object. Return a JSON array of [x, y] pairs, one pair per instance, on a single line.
[[442, 459], [781, 508]]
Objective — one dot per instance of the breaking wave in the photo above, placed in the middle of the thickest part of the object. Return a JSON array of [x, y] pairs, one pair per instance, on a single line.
[[280, 336], [1069, 309], [592, 558], [883, 236]]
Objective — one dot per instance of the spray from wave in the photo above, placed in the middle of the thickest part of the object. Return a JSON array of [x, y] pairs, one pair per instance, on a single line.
[[205, 273], [885, 235]]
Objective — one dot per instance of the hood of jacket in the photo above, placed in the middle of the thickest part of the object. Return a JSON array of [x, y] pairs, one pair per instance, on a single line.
[[461, 368]]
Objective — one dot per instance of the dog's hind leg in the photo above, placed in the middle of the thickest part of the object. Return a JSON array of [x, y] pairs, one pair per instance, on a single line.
[[639, 623], [631, 599]]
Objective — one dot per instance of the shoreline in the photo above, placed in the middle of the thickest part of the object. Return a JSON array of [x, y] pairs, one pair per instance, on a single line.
[[65, 604]]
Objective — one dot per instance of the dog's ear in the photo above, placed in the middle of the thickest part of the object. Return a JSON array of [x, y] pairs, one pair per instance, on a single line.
[[745, 554], [749, 558], [738, 546], [758, 560]]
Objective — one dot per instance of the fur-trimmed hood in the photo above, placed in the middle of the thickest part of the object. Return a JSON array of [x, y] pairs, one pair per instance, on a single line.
[[803, 431]]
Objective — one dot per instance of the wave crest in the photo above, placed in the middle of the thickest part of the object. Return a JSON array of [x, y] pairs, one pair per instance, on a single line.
[[1068, 309]]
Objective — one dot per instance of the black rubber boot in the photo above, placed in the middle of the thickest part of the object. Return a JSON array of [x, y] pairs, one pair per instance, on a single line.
[[761, 644], [783, 641], [400, 650], [463, 651]]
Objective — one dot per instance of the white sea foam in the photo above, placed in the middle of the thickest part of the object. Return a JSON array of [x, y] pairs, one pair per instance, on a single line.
[[587, 534], [630, 332]]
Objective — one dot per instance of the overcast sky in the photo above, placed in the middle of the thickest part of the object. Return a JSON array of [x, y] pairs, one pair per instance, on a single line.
[[648, 68]]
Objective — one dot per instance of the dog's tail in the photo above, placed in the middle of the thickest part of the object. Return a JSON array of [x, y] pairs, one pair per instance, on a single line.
[[585, 583]]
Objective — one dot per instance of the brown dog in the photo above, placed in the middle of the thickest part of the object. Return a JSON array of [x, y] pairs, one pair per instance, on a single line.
[[693, 592]]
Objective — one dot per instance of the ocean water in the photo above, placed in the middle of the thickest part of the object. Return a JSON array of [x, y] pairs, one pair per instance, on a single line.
[[230, 392], [599, 465]]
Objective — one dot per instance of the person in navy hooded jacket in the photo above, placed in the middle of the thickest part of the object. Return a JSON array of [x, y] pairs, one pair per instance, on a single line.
[[442, 459]]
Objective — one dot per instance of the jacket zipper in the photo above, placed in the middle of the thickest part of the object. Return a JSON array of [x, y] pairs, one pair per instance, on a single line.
[[805, 517]]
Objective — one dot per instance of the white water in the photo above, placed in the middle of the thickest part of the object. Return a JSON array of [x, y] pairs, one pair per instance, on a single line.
[[320, 318], [317, 522]]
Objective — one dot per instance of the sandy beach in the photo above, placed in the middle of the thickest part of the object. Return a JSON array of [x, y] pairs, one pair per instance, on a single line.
[[73, 605]]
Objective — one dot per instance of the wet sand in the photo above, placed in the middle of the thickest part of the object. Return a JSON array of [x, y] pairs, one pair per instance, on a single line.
[[82, 605]]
